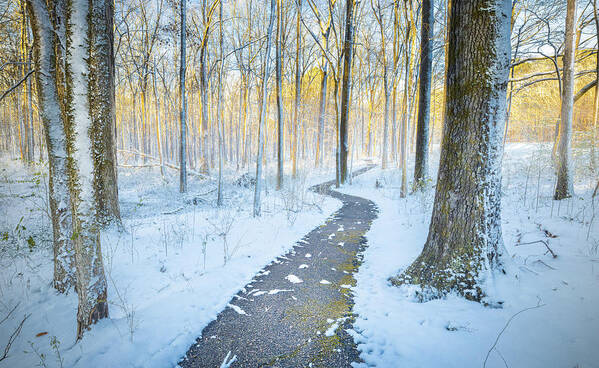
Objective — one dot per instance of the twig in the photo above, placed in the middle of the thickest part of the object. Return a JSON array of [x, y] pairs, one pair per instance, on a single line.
[[17, 84], [539, 241], [9, 313], [505, 327], [173, 211], [13, 337]]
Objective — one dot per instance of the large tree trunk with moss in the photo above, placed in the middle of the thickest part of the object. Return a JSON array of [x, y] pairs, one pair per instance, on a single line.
[[464, 245], [84, 160], [564, 187], [46, 42], [424, 99]]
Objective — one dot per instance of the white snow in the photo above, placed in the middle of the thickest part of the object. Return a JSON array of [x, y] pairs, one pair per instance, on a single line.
[[331, 330], [392, 329], [325, 282], [228, 362], [276, 291], [160, 293], [293, 279], [237, 309], [303, 266], [308, 255]]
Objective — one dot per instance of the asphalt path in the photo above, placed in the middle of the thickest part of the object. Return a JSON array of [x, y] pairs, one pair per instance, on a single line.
[[295, 311]]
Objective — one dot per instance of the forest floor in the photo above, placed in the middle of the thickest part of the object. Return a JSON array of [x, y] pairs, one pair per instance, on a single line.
[[178, 261], [172, 268], [561, 328], [296, 312]]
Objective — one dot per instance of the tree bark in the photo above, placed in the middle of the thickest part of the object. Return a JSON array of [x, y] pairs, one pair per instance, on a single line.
[[345, 92], [83, 162], [464, 245], [265, 74], [279, 87], [596, 100], [298, 90], [424, 99], [219, 111], [45, 45], [183, 106], [565, 187], [102, 111]]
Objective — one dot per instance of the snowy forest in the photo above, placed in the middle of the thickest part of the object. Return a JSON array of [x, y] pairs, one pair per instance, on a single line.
[[299, 183]]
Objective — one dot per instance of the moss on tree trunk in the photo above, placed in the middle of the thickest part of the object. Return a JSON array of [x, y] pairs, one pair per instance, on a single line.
[[464, 243]]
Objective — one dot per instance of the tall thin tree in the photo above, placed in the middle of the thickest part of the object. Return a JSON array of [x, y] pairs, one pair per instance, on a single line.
[[183, 104], [348, 48], [265, 74], [279, 88], [565, 187], [424, 98]]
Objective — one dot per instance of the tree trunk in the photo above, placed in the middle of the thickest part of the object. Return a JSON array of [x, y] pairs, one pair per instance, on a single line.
[[464, 244], [424, 99], [298, 89], [279, 87], [219, 111], [596, 101], [205, 168], [564, 187], [322, 106], [102, 105], [345, 92], [158, 125], [87, 20], [266, 71], [183, 106], [46, 42]]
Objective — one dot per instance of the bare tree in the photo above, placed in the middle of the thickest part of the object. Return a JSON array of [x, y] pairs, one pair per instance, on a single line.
[[279, 88], [48, 63], [564, 187], [424, 99], [265, 74], [183, 104], [348, 48]]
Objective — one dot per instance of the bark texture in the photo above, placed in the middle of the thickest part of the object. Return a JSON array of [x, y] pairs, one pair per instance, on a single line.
[[424, 99], [183, 108], [279, 88], [265, 73], [564, 187], [91, 281], [102, 111], [345, 92], [464, 244], [45, 59]]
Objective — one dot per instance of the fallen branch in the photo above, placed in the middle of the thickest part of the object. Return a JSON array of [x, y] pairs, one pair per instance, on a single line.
[[13, 337], [171, 166], [505, 327], [539, 241], [9, 313]]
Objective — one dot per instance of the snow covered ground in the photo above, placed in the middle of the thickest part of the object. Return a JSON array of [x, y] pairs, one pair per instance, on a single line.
[[561, 329], [166, 269], [168, 278]]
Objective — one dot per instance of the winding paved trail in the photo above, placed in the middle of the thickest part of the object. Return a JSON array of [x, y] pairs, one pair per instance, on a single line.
[[295, 312]]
